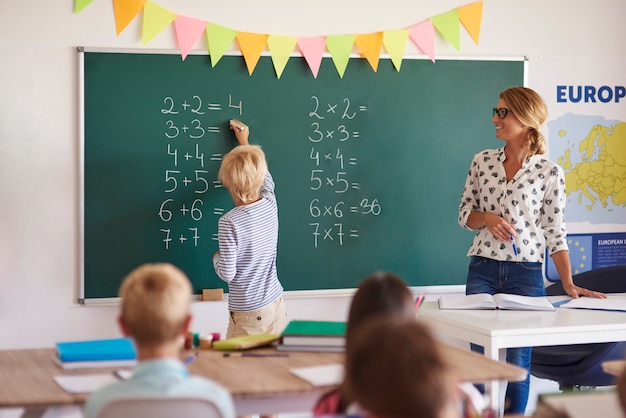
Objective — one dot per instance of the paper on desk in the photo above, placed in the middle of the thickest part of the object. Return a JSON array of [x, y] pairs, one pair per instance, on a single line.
[[66, 411], [327, 375], [84, 383], [611, 303]]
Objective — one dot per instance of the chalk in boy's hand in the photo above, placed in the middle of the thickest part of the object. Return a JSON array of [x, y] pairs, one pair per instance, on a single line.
[[234, 123]]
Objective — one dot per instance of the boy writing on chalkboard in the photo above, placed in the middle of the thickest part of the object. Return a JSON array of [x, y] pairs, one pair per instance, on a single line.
[[156, 313], [248, 237]]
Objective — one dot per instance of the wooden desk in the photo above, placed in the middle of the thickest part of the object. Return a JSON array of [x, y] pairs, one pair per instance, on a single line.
[[497, 330], [258, 385]]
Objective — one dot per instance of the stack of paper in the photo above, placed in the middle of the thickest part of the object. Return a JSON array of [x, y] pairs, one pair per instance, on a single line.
[[300, 335], [116, 352]]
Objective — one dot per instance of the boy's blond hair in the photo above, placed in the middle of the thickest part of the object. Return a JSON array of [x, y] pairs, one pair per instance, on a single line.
[[243, 171], [156, 302]]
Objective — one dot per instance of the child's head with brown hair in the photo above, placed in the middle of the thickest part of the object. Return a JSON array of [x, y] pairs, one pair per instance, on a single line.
[[380, 293], [156, 304], [395, 369], [243, 171]]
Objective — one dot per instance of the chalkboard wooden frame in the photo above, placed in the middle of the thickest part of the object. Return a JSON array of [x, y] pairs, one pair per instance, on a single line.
[[394, 188]]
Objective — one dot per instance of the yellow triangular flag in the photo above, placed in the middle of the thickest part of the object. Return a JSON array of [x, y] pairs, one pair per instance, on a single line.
[[219, 39], [340, 47], [370, 44], [471, 17], [251, 46], [447, 24], [80, 5], [280, 48], [155, 19], [125, 11], [395, 43]]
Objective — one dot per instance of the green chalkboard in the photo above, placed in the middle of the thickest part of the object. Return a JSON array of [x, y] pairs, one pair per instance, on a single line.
[[369, 167]]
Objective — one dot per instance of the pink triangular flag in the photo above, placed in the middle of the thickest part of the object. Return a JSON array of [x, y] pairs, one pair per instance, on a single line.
[[312, 50], [188, 30], [423, 35]]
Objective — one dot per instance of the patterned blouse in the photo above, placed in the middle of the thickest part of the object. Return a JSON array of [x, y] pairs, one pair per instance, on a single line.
[[533, 202]]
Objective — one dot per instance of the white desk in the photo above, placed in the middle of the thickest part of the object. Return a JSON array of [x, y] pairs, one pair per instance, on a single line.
[[497, 330]]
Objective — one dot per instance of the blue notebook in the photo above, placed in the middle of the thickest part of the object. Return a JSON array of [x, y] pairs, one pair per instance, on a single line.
[[96, 350]]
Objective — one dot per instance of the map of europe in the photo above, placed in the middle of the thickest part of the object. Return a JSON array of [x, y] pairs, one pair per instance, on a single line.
[[592, 152]]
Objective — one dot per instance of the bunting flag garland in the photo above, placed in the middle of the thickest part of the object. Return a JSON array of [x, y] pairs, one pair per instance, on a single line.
[[252, 45]]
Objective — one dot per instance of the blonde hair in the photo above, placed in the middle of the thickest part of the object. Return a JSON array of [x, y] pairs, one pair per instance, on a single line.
[[243, 171], [156, 301], [530, 109]]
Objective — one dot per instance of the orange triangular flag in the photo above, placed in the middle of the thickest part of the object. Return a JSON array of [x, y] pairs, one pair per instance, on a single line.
[[251, 46], [471, 16], [370, 44], [125, 11]]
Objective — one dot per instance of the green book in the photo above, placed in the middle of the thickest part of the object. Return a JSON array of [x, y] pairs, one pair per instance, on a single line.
[[317, 333]]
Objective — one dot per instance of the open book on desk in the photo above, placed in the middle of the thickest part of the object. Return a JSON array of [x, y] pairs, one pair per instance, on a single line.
[[497, 301]]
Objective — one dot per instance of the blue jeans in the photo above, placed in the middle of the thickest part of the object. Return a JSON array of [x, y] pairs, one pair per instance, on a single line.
[[492, 276]]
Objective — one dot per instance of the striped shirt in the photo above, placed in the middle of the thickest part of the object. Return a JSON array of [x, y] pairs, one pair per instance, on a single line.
[[533, 202], [248, 237]]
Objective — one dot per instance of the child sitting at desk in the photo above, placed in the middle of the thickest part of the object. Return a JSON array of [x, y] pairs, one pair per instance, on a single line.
[[394, 368], [379, 293], [155, 313]]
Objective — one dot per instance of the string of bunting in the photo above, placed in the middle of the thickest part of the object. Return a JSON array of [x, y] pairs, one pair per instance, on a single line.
[[219, 38]]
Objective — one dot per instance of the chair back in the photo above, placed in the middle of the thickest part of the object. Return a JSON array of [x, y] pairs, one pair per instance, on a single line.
[[605, 279], [160, 407]]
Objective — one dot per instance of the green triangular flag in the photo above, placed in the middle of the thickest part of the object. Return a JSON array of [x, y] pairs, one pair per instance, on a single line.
[[80, 5], [447, 24], [340, 47]]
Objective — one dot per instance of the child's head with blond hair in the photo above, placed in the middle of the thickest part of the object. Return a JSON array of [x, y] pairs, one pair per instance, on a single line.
[[243, 171], [156, 304]]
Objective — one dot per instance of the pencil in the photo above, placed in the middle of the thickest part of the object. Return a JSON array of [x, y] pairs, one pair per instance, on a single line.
[[256, 355]]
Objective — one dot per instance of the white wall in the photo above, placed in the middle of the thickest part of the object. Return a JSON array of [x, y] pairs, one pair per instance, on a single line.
[[39, 125]]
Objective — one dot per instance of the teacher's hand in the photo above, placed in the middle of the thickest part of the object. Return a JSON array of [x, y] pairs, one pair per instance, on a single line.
[[574, 291], [499, 227]]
